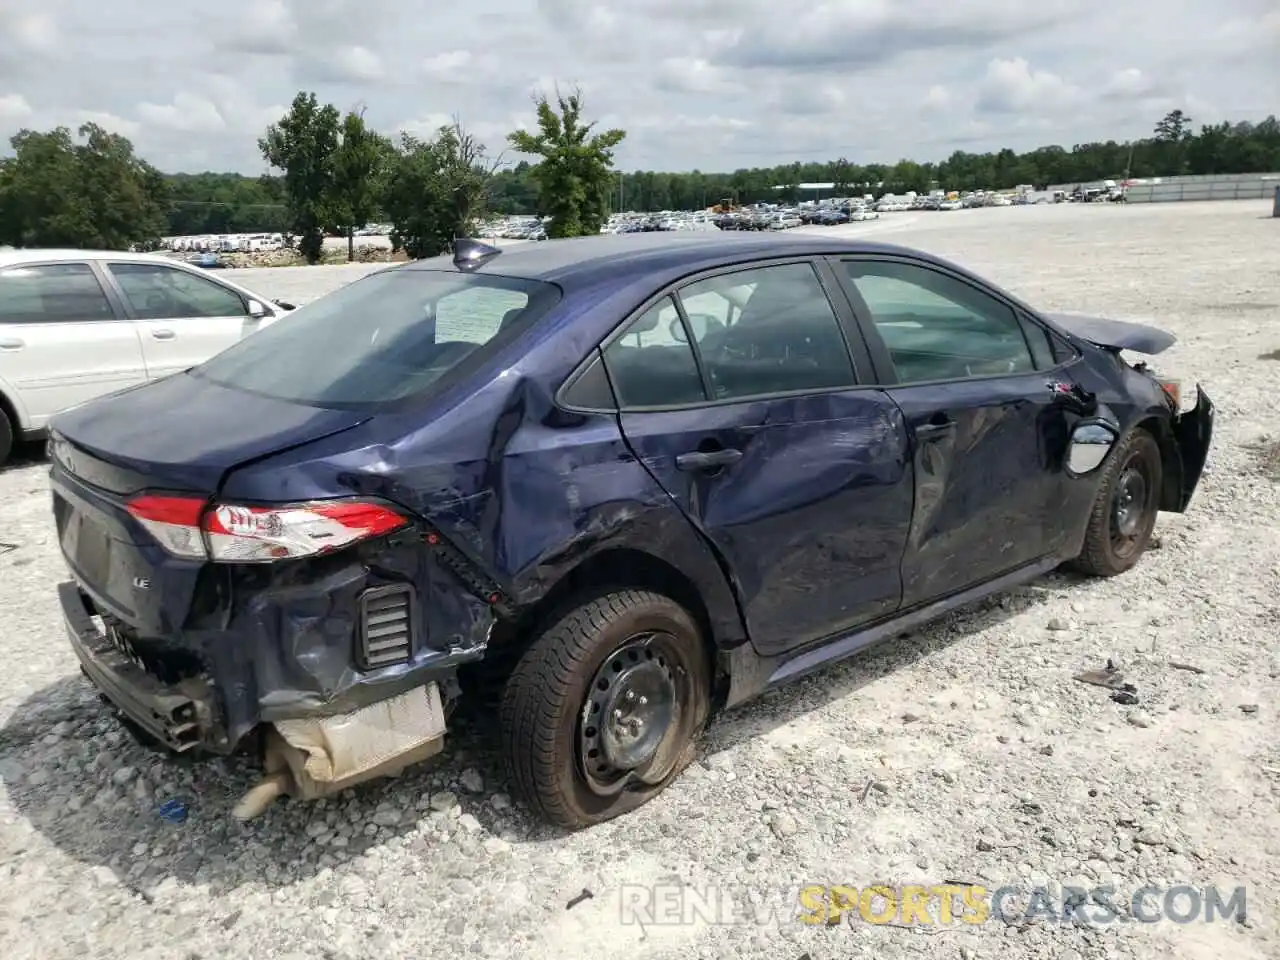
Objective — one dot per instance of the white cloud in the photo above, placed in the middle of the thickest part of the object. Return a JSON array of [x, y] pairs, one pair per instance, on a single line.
[[356, 64], [938, 98], [188, 113], [14, 108], [1012, 86], [693, 75], [716, 84]]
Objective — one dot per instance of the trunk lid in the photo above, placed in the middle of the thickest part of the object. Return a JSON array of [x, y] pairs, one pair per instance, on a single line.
[[1115, 334], [182, 433]]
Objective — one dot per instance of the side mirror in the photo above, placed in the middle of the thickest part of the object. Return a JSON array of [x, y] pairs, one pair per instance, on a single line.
[[1091, 441], [257, 309], [676, 329]]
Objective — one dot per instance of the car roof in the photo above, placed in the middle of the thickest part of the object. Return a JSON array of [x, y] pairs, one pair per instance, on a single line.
[[10, 258], [580, 258], [16, 258]]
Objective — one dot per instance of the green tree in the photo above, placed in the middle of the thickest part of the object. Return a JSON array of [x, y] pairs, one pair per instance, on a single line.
[[1174, 127], [359, 164], [225, 203], [304, 144], [435, 190], [55, 192], [574, 176]]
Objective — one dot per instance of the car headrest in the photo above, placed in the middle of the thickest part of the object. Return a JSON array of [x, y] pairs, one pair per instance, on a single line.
[[509, 317]]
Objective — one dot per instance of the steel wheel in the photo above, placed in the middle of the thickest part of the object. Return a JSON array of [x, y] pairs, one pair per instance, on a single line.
[[632, 710], [1131, 506]]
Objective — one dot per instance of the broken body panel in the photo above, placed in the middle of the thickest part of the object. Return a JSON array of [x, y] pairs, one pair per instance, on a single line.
[[815, 545]]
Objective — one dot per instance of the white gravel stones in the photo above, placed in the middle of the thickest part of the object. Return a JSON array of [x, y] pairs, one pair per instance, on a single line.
[[1009, 771]]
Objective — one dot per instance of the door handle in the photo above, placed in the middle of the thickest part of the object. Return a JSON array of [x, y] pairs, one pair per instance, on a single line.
[[13, 343], [708, 459], [163, 334], [928, 431]]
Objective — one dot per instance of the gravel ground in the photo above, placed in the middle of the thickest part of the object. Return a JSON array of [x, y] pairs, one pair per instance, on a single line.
[[966, 752]]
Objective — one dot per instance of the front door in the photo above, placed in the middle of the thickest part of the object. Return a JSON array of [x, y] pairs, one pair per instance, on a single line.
[[61, 340], [738, 394], [983, 420], [183, 319]]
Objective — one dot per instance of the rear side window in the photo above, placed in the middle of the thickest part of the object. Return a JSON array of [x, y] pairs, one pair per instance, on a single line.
[[651, 363], [937, 327], [385, 338], [157, 292], [1041, 343], [51, 293]]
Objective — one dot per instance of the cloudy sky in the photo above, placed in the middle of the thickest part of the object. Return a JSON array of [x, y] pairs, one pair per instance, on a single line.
[[712, 84]]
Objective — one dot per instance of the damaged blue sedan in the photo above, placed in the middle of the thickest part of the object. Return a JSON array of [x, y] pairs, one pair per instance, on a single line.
[[639, 478]]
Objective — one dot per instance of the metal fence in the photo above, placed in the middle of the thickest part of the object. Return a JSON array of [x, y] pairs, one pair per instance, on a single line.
[[1229, 187]]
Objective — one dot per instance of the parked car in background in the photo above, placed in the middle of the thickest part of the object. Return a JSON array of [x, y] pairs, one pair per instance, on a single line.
[[639, 477], [76, 324]]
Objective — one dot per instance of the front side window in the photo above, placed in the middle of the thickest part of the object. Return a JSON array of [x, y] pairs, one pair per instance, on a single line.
[[157, 292], [937, 327], [651, 363], [767, 331], [52, 292], [381, 339]]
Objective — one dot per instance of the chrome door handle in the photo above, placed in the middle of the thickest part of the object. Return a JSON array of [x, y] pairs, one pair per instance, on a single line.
[[12, 343], [163, 334]]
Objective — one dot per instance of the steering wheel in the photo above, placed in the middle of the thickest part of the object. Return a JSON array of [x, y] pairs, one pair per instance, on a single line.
[[704, 325]]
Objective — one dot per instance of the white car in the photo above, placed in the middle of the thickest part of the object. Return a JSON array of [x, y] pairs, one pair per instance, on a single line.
[[77, 324]]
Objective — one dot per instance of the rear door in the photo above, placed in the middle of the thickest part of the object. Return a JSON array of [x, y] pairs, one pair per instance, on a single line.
[[969, 374], [183, 318], [738, 393], [62, 339]]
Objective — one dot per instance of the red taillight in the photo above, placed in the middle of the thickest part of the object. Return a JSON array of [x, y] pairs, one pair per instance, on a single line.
[[173, 521], [242, 534]]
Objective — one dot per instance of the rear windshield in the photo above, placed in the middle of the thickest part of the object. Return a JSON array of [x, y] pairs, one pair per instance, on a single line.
[[381, 339]]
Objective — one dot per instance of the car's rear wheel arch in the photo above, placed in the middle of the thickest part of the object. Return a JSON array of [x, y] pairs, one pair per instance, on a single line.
[[608, 570]]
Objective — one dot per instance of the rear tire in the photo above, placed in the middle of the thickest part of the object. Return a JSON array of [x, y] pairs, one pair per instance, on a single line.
[[1124, 510], [7, 431], [602, 711]]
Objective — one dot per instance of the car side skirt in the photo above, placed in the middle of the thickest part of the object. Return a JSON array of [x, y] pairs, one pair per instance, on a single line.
[[751, 675]]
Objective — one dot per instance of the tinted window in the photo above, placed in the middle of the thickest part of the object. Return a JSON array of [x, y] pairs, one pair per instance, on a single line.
[[476, 314], [767, 331], [158, 292], [380, 339], [651, 364], [937, 327], [52, 292], [591, 391], [1041, 343]]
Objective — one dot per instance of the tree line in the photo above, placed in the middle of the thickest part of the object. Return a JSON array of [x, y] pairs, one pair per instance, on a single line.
[[336, 174]]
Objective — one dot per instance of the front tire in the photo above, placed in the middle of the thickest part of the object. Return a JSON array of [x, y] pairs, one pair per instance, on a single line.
[[1125, 508], [602, 711]]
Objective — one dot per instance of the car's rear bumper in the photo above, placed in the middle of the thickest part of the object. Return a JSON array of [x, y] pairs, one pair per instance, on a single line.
[[207, 687], [180, 717], [1194, 433]]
